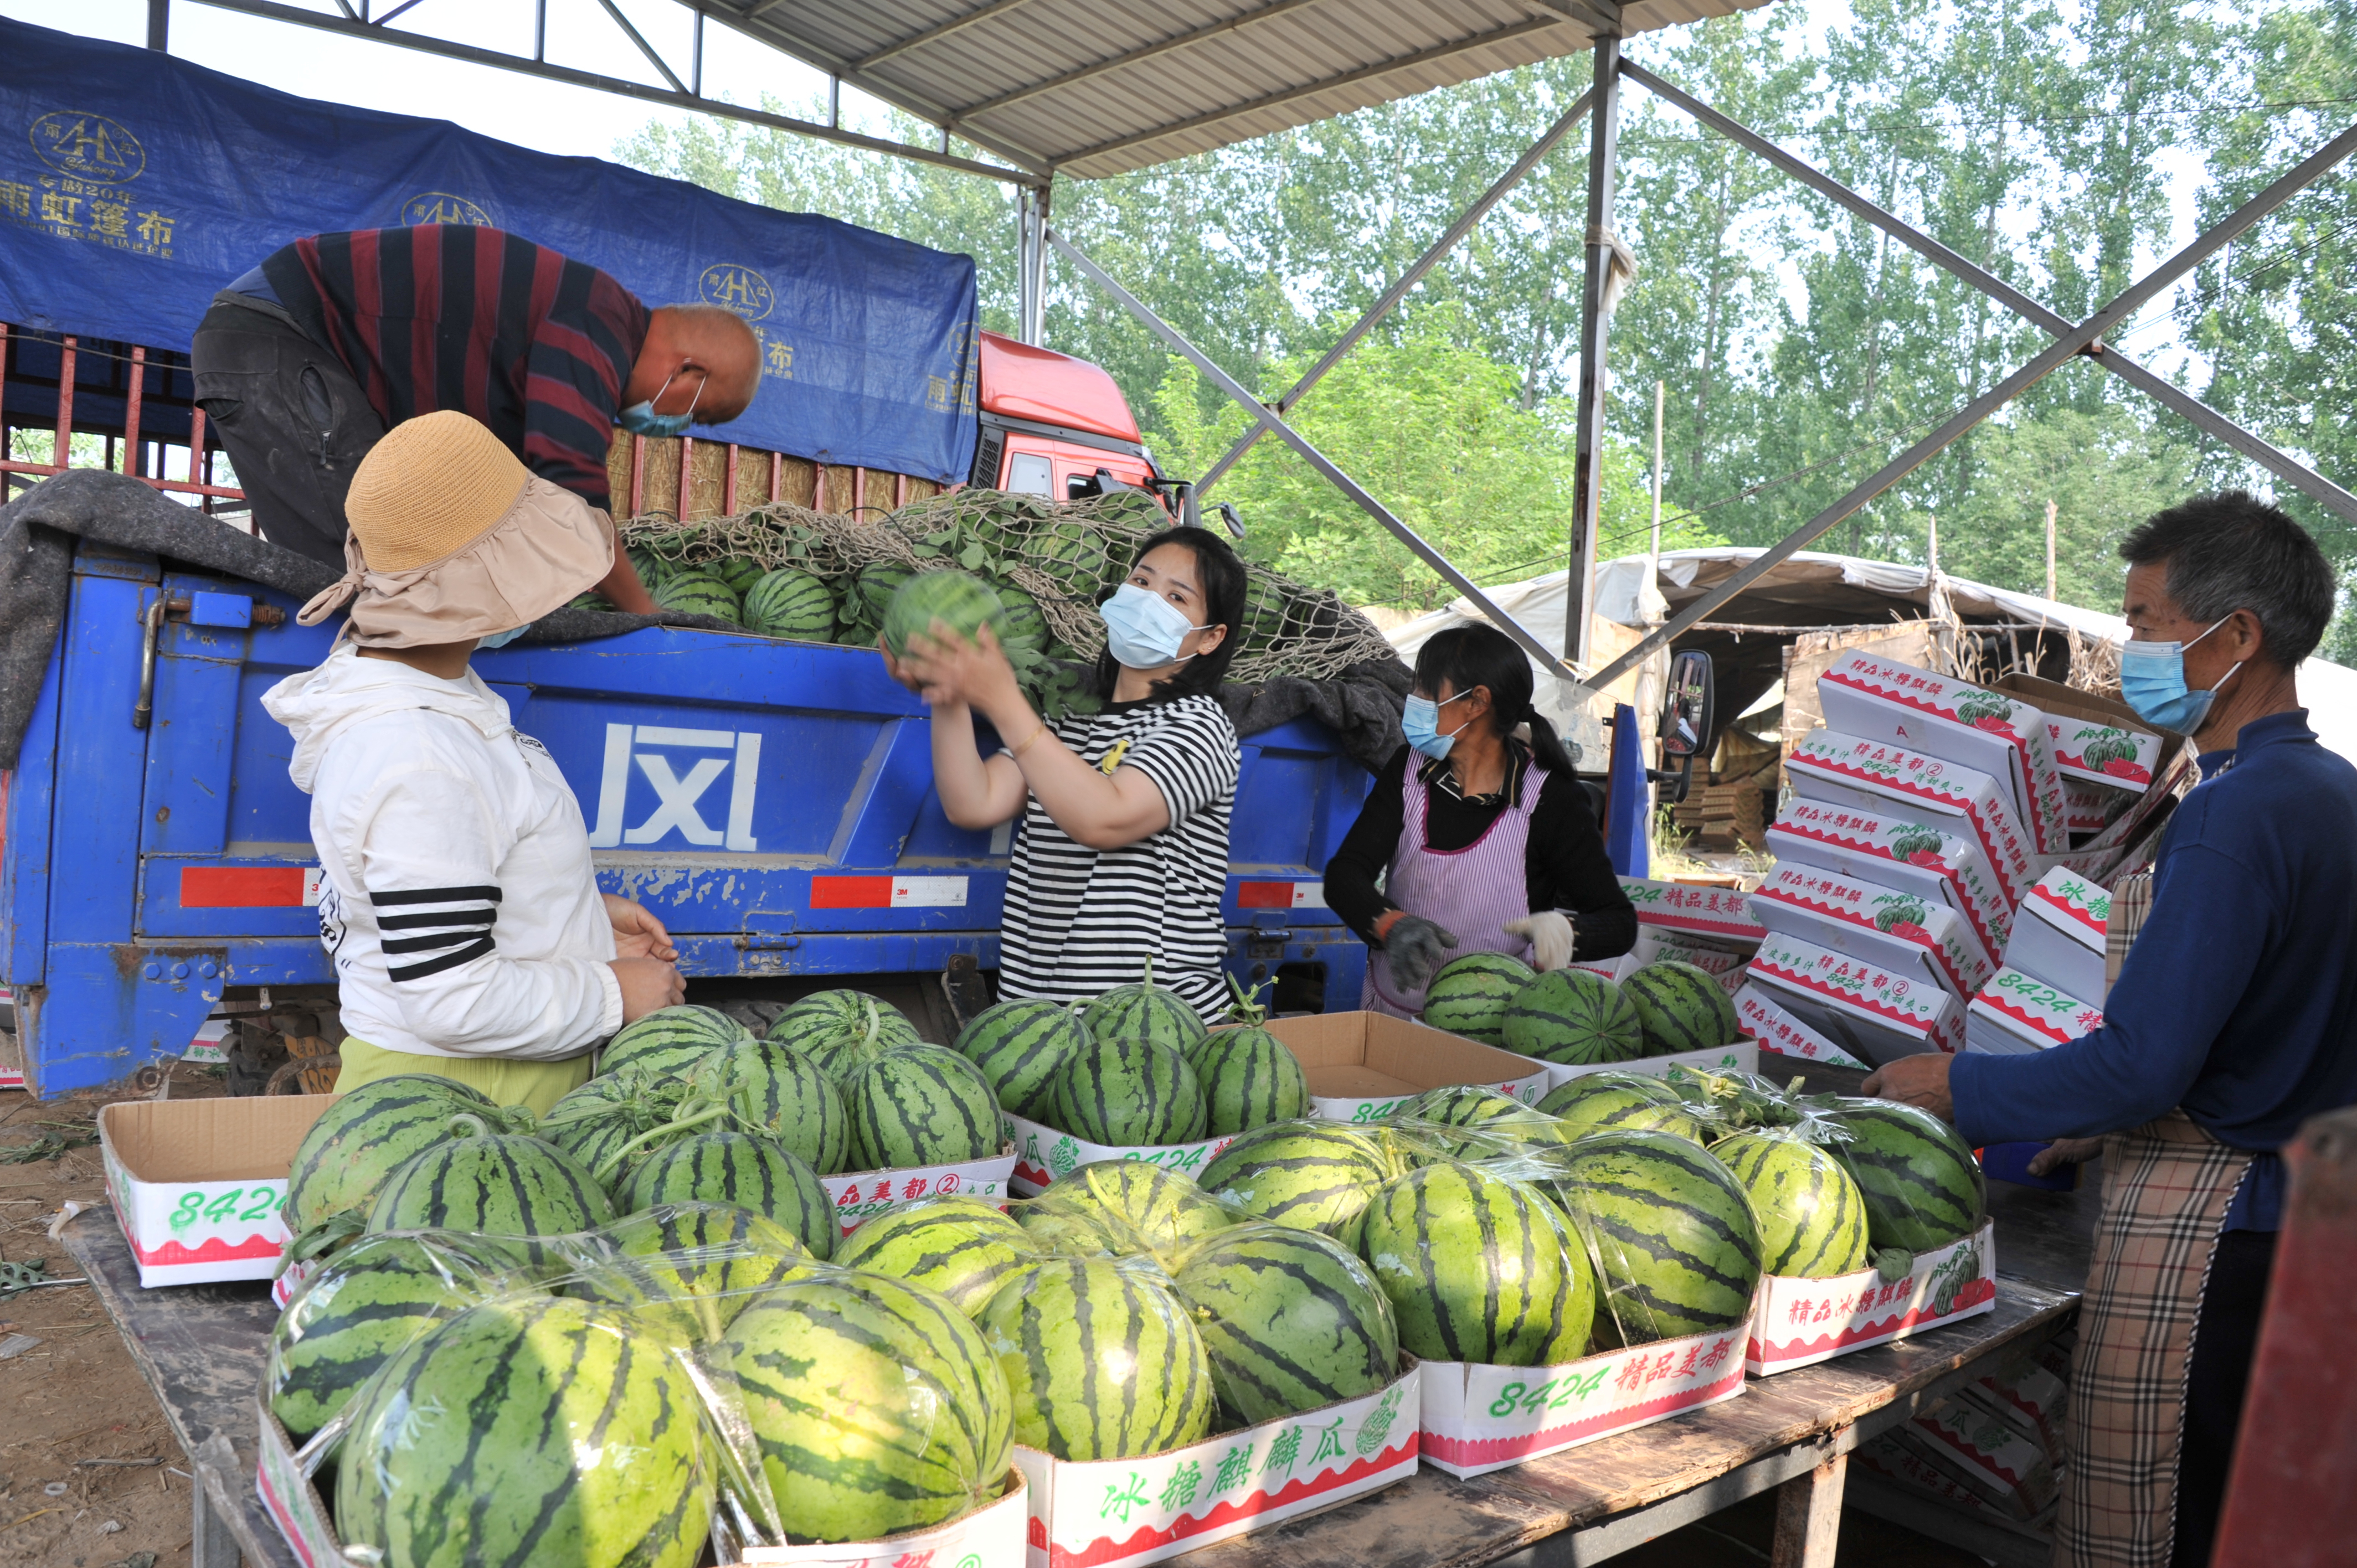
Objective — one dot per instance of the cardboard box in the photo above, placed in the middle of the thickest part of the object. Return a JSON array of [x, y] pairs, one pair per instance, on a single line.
[[2060, 932], [1900, 929], [209, 1046], [2089, 808], [1615, 970], [1798, 1323], [990, 1537], [1741, 1057], [197, 1184], [1987, 1455], [2015, 1016], [1846, 769], [860, 1196], [1120, 1513], [1656, 944], [1718, 912], [1871, 1012], [1779, 1032], [12, 1064], [1999, 734], [2131, 754], [1480, 1418], [1363, 1066], [1926, 856], [1043, 1153]]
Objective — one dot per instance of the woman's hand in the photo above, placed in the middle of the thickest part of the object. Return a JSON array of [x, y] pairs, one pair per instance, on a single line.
[[637, 934], [946, 670]]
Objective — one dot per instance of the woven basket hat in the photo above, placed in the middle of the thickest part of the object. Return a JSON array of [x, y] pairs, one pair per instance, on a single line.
[[432, 487]]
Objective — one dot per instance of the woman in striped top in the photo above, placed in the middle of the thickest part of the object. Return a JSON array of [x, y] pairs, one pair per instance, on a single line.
[[1123, 854]]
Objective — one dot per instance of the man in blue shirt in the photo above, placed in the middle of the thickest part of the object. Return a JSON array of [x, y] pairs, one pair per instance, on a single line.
[[2233, 1022]]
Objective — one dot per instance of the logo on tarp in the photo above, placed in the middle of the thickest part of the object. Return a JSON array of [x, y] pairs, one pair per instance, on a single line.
[[88, 146], [740, 289], [682, 766], [441, 206]]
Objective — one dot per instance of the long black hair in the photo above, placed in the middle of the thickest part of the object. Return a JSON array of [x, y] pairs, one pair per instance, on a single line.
[[1477, 655], [1223, 598]]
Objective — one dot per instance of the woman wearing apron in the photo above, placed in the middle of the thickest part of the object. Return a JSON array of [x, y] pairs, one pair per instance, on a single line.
[[1484, 842]]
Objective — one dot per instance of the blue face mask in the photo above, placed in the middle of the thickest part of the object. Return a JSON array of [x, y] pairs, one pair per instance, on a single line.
[[502, 638], [2152, 681], [1421, 724], [640, 418], [1144, 630]]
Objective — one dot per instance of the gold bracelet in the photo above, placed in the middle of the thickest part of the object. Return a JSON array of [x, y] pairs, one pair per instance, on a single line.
[[1030, 741]]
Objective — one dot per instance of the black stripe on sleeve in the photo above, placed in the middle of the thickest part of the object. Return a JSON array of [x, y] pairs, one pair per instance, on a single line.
[[428, 920], [435, 895], [436, 965], [438, 940]]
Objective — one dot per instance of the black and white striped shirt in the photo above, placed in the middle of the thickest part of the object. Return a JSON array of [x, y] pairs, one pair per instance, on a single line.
[[1080, 921]]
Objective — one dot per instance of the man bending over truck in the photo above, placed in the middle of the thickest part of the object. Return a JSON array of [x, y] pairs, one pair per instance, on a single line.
[[308, 360]]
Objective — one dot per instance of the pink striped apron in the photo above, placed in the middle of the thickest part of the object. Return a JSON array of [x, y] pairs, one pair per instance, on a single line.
[[1469, 893]]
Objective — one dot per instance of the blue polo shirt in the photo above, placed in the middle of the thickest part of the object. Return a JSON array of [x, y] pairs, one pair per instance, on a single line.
[[2239, 1000]]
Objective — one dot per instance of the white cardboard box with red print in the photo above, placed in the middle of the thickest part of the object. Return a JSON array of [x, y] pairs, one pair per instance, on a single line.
[[1123, 1513], [1846, 769], [1615, 970], [1778, 1031], [1741, 1057], [1871, 1012], [1479, 1418], [1045, 1155], [2089, 808], [2097, 740], [1800, 1322], [2014, 1015], [1891, 925], [2061, 932], [1996, 732], [1721, 914], [1932, 855], [860, 1196]]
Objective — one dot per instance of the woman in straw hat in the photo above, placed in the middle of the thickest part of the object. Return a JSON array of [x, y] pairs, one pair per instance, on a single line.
[[457, 897]]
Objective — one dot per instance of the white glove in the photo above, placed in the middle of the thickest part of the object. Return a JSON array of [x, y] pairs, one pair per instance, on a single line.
[[1549, 935]]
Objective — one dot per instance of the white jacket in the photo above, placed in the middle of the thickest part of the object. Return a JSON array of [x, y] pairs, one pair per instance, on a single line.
[[457, 897]]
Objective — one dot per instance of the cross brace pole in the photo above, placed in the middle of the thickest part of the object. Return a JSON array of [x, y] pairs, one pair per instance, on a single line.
[[1269, 422], [2050, 358]]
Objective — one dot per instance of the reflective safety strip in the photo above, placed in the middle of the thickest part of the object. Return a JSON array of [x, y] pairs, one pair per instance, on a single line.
[[1281, 895], [249, 886], [888, 892]]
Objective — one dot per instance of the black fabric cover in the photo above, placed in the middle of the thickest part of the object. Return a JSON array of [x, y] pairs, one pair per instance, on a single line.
[[1362, 705]]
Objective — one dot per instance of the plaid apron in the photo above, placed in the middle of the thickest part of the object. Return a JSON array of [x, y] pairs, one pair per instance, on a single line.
[[2166, 1186]]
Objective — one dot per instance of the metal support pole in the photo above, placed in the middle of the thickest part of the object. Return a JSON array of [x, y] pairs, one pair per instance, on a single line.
[[159, 26], [1314, 458], [1595, 335], [1031, 261]]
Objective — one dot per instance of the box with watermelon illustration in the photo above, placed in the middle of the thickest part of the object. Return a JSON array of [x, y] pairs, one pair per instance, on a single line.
[[1870, 1010], [1800, 1322], [1721, 912], [1924, 854], [1043, 1153], [1896, 928], [1997, 733], [197, 1184], [2016, 1015], [1479, 1418], [860, 1196], [1777, 1031], [1123, 1513], [1846, 769], [1363, 1067], [2060, 934], [2097, 740]]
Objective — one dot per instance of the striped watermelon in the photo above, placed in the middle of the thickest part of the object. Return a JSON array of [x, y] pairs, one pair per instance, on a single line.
[[1477, 1270], [1292, 1320], [742, 1169], [1144, 1011], [739, 571], [877, 583], [1681, 1008], [1671, 1229], [1103, 1362], [1127, 1091], [776, 1089], [362, 1137], [669, 1040], [919, 1105], [686, 1268], [874, 1404], [1570, 1092], [568, 1437], [1504, 1121], [840, 1029], [1315, 1175], [696, 592], [964, 604], [364, 1306], [650, 567], [1811, 1216], [1122, 1206], [491, 1184], [1616, 1109], [1469, 995], [1249, 1080], [597, 1122], [1019, 1046], [1571, 1017], [962, 1247], [788, 603], [1021, 623], [1923, 1187]]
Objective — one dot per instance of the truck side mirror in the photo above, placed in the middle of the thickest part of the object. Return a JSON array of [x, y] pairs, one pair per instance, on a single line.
[[1228, 515], [1687, 719]]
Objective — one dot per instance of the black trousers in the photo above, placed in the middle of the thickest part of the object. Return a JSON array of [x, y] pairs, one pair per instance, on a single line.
[[2224, 1337], [296, 422]]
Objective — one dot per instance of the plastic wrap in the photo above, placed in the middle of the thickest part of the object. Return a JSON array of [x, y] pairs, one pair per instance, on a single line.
[[1922, 1186], [1479, 1265]]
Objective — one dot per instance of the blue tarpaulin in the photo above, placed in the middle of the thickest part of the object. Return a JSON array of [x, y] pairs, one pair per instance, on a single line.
[[134, 186]]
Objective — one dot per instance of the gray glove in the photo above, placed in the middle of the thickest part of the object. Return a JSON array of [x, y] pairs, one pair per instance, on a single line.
[[1413, 950]]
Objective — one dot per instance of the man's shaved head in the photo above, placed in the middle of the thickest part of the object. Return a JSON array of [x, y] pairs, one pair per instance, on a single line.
[[685, 339]]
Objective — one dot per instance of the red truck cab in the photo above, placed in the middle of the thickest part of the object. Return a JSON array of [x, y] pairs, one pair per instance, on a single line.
[[1050, 423]]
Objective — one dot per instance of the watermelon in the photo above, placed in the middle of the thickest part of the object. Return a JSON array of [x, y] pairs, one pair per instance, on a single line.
[[652, 569], [1681, 1008], [1811, 1216], [688, 1268], [840, 1029], [1615, 1108], [1671, 1228], [1506, 1121], [1125, 1092], [527, 1431], [787, 603], [1923, 1187], [1019, 1046], [1570, 1016], [1571, 1092], [597, 1122], [1103, 1362], [1021, 623], [963, 604], [1469, 995], [743, 1169], [919, 1105], [877, 584], [1144, 1011], [667, 1041], [1291, 1320], [362, 1137], [776, 1089], [1477, 1270], [961, 1247], [876, 1406], [493, 1183], [1122, 1206], [1315, 1175], [364, 1306], [696, 592], [739, 571], [1249, 1080]]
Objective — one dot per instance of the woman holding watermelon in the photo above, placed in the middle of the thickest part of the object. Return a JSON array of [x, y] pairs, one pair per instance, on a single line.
[[1123, 859], [1483, 838]]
